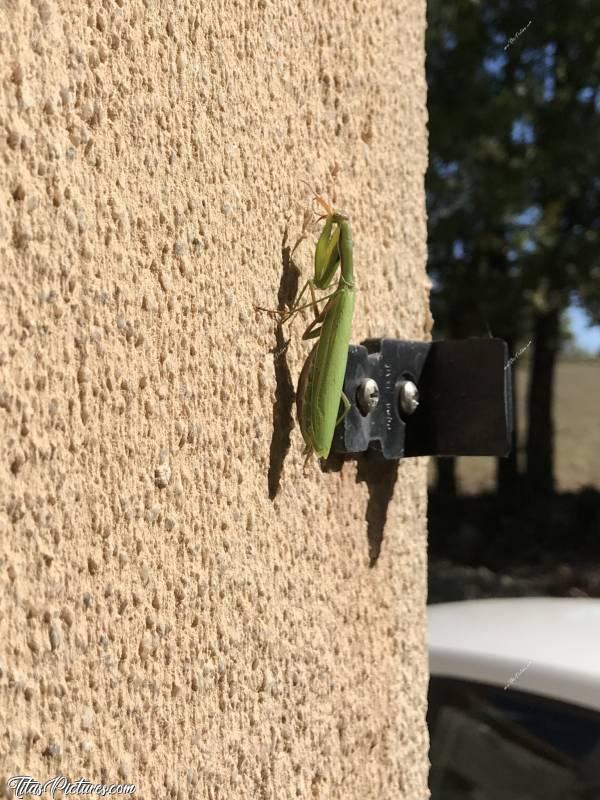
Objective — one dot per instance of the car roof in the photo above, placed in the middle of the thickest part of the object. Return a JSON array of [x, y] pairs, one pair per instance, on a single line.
[[543, 645]]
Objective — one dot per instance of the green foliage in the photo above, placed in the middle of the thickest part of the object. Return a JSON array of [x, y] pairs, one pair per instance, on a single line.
[[513, 187]]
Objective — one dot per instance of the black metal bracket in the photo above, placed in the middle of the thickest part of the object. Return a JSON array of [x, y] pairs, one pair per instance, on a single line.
[[464, 399]]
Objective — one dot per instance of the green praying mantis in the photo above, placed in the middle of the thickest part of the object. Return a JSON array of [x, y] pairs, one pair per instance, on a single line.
[[322, 377]]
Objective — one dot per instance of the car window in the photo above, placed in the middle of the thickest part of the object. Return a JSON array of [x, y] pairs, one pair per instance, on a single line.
[[487, 743]]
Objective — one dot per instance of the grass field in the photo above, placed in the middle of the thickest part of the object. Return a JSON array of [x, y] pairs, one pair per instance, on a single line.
[[577, 431]]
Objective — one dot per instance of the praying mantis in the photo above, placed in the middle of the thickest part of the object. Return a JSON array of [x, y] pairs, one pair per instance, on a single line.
[[322, 377]]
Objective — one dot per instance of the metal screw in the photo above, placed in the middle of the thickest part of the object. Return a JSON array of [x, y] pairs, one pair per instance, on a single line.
[[367, 396], [409, 397]]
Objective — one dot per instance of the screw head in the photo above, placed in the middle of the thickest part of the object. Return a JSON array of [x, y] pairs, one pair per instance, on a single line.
[[367, 396], [409, 397]]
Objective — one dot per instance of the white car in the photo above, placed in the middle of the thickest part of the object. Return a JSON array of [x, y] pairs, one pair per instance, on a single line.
[[514, 699]]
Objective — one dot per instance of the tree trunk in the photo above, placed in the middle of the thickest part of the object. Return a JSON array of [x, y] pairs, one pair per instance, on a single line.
[[445, 483], [507, 469], [540, 434]]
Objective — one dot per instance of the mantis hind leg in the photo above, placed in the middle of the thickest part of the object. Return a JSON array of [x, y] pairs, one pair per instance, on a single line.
[[347, 406], [308, 452]]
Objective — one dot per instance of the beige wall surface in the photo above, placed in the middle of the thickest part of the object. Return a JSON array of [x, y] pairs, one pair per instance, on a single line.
[[181, 608]]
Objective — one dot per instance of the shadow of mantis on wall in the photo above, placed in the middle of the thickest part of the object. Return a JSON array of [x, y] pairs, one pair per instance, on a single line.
[[283, 418]]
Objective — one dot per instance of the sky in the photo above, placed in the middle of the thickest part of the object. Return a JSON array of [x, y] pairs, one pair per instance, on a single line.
[[586, 337]]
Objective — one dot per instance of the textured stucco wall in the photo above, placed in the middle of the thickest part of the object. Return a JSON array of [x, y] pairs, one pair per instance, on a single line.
[[180, 607]]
